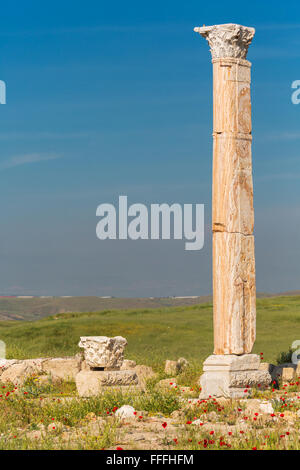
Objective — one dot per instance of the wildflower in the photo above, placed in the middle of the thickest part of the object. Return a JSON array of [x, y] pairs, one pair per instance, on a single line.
[[164, 425]]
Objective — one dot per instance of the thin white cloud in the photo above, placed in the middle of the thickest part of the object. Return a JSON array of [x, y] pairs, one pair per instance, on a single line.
[[43, 135], [114, 28], [26, 159]]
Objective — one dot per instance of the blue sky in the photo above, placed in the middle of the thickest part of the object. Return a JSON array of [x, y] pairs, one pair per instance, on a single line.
[[110, 98]]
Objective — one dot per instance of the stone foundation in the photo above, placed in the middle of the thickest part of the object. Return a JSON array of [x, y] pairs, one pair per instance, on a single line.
[[92, 383], [104, 366], [229, 375]]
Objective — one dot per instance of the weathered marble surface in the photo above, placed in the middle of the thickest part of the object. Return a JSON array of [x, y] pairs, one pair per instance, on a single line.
[[230, 375], [102, 351], [227, 40], [234, 291], [234, 301], [91, 383]]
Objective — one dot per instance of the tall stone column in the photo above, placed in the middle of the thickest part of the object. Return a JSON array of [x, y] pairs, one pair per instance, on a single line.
[[234, 295]]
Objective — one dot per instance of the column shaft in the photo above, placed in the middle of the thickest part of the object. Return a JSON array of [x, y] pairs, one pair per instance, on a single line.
[[234, 295]]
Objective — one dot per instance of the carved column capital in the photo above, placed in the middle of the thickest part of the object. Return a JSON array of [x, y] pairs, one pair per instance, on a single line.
[[227, 40]]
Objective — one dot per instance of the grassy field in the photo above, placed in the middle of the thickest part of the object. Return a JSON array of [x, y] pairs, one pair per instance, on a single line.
[[153, 334], [37, 307], [39, 414]]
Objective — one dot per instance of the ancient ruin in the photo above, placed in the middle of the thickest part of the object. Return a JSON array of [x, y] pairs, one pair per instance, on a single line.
[[103, 352], [232, 368], [103, 359]]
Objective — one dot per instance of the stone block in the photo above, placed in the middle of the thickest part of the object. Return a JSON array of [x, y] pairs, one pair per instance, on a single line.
[[288, 374], [267, 366], [171, 367], [285, 372], [92, 383], [17, 373], [103, 352], [266, 407], [144, 373], [230, 375], [128, 364], [174, 367], [62, 368], [182, 364], [232, 362]]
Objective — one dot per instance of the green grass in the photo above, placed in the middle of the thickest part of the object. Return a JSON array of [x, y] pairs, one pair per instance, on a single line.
[[37, 307], [153, 334]]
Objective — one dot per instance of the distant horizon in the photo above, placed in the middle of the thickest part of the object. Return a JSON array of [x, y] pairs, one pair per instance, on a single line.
[[24, 296]]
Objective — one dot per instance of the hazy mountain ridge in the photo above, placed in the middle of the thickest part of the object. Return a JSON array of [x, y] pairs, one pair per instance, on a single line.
[[12, 308]]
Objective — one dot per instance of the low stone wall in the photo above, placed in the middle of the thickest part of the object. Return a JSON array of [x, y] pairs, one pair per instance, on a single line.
[[88, 381], [59, 368]]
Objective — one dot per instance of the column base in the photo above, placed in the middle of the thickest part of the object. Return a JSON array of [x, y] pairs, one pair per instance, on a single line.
[[230, 375]]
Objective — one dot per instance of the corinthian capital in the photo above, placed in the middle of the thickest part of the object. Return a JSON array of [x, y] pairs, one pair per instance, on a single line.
[[227, 40]]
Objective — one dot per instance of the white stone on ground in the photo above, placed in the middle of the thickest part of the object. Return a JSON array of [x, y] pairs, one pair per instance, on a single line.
[[266, 407], [126, 411]]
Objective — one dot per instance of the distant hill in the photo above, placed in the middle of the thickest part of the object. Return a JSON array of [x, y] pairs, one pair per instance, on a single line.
[[153, 334], [34, 308]]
